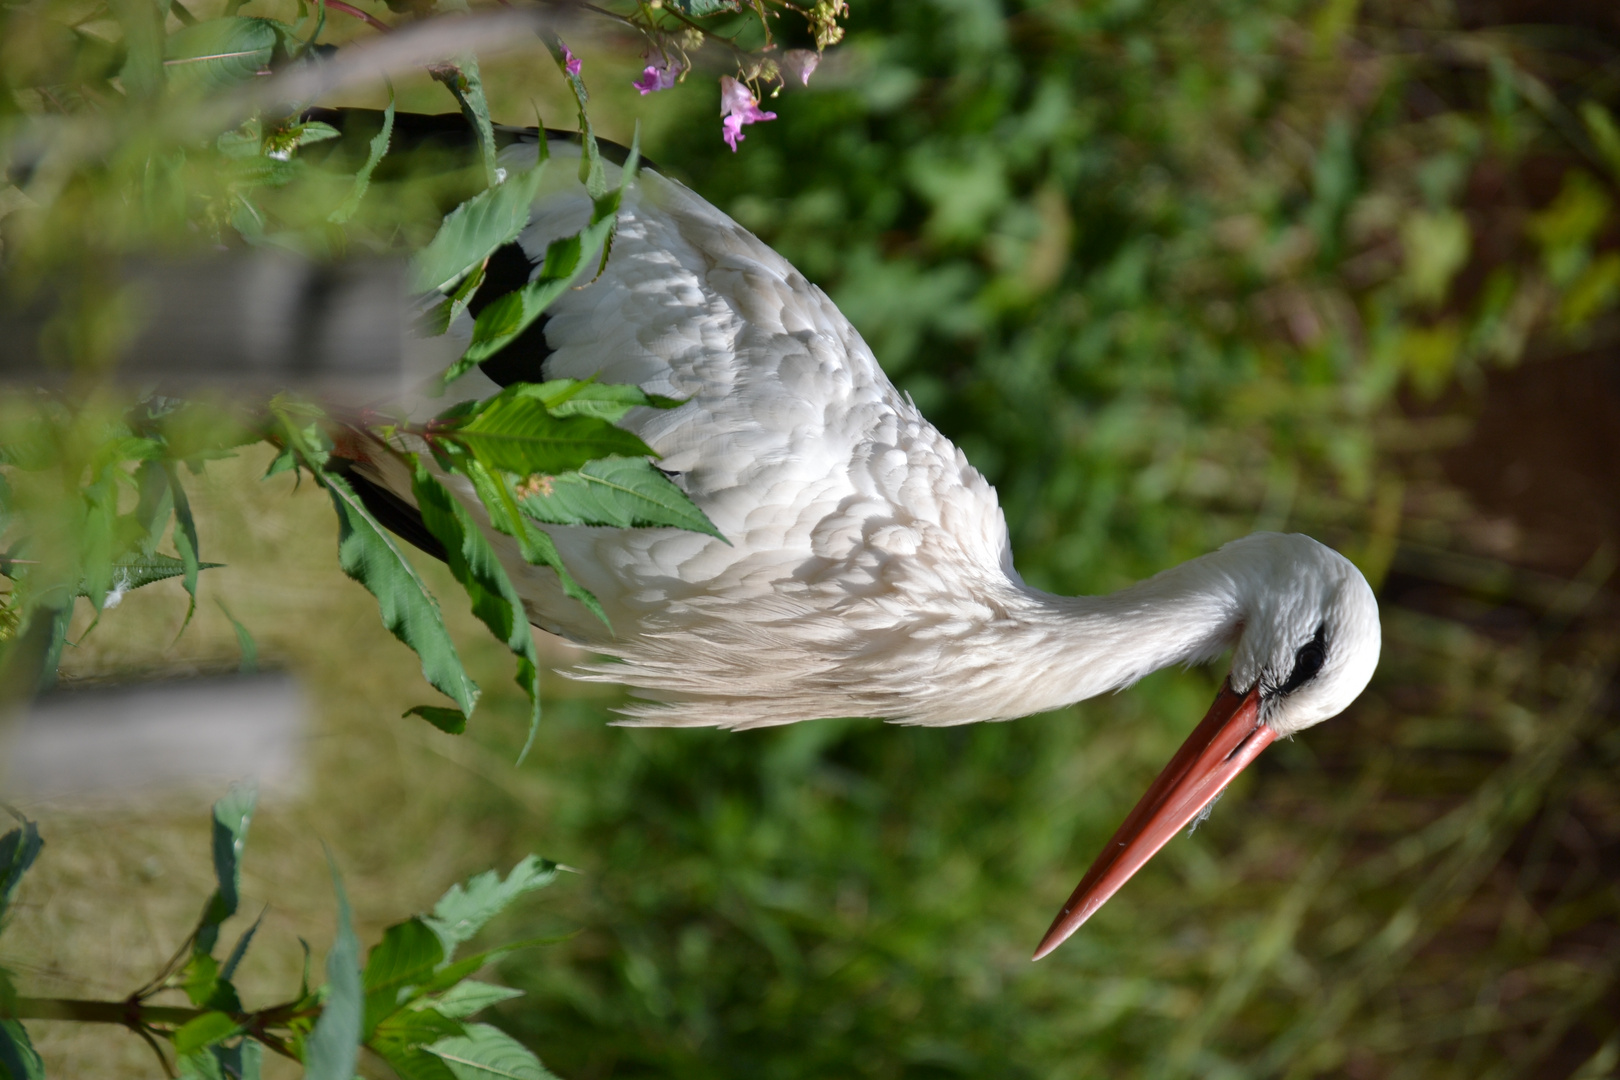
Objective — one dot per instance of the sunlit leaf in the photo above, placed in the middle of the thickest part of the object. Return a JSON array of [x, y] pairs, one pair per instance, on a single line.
[[371, 556], [204, 1030], [470, 996], [500, 323], [516, 433], [501, 504], [473, 230], [463, 910], [488, 1053], [617, 491]]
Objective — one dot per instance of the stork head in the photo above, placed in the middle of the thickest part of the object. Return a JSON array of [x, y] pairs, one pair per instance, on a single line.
[[1307, 646], [1310, 636]]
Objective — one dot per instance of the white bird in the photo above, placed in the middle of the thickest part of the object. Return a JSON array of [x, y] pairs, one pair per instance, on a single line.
[[868, 570]]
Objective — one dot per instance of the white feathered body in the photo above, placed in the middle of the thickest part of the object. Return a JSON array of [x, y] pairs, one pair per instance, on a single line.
[[868, 570]]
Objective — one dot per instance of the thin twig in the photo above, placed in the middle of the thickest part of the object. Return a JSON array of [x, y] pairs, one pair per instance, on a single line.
[[163, 1060], [364, 16]]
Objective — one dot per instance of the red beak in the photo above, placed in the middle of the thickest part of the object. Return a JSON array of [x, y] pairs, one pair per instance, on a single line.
[[1230, 737]]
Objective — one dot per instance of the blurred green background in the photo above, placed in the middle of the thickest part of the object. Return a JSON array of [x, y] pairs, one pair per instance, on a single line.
[[1169, 272]]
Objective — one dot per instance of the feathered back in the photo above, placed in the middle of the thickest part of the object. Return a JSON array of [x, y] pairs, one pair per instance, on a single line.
[[864, 551]]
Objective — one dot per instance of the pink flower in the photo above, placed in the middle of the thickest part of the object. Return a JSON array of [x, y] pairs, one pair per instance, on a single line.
[[801, 62], [656, 77], [738, 106], [571, 63]]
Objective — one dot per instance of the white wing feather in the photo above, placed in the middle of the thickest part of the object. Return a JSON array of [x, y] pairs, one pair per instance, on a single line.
[[864, 549]]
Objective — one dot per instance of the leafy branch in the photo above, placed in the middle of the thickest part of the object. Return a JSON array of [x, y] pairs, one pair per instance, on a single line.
[[411, 1002]]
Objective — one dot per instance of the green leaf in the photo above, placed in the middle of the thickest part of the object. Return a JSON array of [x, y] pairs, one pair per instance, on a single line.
[[219, 53], [199, 977], [154, 505], [470, 996], [536, 547], [463, 910], [617, 491], [476, 568], [401, 1038], [405, 957], [488, 1053], [18, 850], [244, 1061], [18, 1059], [449, 721], [201, 1065], [455, 971], [241, 948], [467, 86], [333, 1048], [205, 1030], [369, 555], [441, 315], [185, 540], [362, 179], [501, 322], [516, 433], [34, 654], [142, 73], [244, 639], [134, 571], [605, 401], [232, 816], [591, 172], [411, 1062], [700, 8], [96, 540], [473, 230]]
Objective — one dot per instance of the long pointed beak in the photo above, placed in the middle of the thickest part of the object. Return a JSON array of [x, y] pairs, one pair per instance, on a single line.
[[1230, 736]]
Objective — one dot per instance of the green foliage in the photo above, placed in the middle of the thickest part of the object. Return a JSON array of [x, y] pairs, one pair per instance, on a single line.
[[333, 1046], [473, 230], [619, 491], [463, 911], [501, 322], [220, 53], [408, 1004], [18, 1058], [18, 850], [488, 1053], [371, 556], [362, 177], [515, 432], [476, 568]]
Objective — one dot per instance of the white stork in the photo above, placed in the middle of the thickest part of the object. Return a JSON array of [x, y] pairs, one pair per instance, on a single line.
[[868, 570]]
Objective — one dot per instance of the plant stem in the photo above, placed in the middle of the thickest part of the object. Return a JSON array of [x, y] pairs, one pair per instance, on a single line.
[[135, 1013], [129, 1013]]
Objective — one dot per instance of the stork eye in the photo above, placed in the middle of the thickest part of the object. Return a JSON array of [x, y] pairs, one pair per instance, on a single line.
[[1307, 662]]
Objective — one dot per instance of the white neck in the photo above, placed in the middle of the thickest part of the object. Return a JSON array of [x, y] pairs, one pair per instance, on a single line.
[[1066, 649]]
